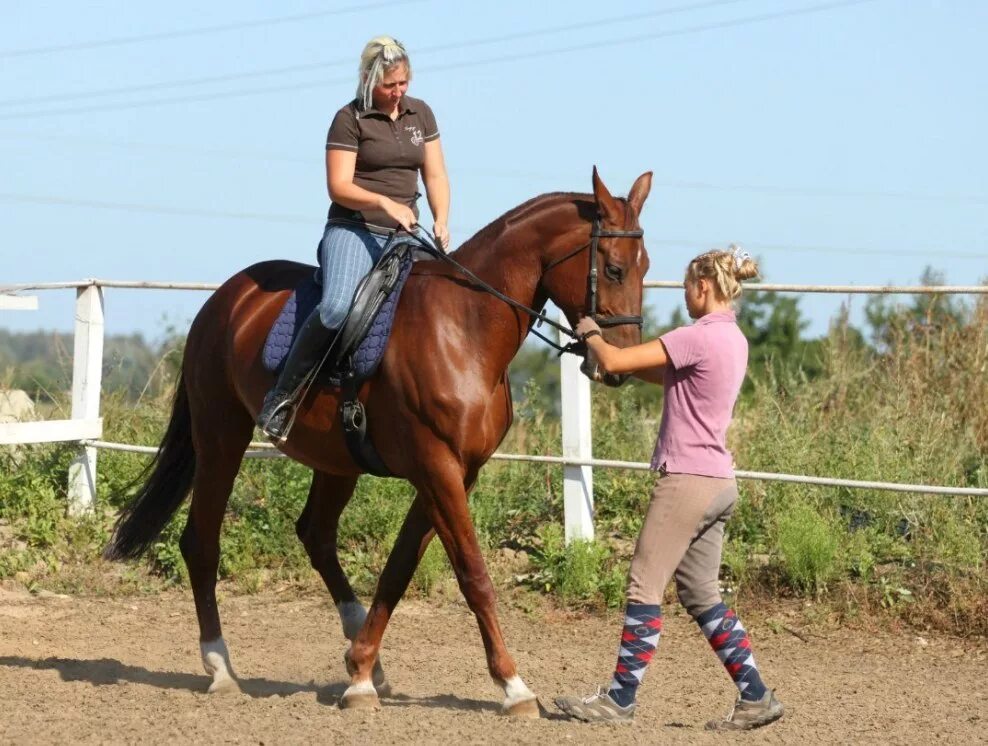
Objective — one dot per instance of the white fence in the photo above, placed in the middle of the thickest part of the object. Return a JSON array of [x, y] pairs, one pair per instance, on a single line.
[[86, 426]]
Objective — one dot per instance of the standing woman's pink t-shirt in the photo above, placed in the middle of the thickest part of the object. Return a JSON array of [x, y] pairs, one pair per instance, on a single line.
[[707, 362]]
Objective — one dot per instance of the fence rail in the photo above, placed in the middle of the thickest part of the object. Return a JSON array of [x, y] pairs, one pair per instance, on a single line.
[[649, 284], [265, 450], [85, 427]]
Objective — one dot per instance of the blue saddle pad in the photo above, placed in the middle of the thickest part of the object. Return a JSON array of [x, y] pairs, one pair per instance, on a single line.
[[301, 303]]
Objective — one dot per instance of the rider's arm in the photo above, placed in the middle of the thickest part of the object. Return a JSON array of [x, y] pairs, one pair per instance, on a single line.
[[648, 359], [436, 181], [340, 167]]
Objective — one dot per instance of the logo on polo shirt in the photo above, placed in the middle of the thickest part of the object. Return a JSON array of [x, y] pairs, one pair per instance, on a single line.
[[416, 133]]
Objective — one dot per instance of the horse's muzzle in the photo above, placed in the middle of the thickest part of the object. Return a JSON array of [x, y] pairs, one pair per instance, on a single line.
[[591, 370]]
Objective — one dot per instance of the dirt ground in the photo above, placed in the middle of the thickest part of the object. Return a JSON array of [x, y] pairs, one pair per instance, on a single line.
[[96, 670]]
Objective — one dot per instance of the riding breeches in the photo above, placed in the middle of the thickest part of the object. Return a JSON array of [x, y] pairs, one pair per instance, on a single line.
[[347, 253], [682, 536]]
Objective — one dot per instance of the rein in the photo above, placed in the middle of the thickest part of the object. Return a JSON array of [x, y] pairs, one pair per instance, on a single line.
[[576, 345]]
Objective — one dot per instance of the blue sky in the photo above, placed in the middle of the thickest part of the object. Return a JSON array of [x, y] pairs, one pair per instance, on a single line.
[[839, 142]]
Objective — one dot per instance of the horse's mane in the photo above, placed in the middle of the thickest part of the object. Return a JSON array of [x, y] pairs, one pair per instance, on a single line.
[[493, 230]]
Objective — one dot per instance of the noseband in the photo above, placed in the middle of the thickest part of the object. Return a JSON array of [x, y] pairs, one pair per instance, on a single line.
[[597, 233]]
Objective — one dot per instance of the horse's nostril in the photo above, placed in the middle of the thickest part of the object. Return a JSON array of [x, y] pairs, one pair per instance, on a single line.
[[614, 380]]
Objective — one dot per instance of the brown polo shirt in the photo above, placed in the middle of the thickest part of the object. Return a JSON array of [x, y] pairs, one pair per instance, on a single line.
[[389, 154]]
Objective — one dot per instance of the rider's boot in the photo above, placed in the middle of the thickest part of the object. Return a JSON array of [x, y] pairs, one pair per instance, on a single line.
[[278, 411]]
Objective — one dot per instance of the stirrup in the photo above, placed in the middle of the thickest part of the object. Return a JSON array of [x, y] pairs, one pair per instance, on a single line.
[[278, 432]]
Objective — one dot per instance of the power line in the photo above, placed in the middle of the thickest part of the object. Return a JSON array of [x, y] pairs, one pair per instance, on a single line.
[[786, 191], [761, 18], [122, 40], [241, 155], [597, 23], [158, 209], [302, 219], [757, 246]]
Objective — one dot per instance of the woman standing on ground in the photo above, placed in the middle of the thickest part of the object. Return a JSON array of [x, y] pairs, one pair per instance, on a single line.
[[702, 367], [377, 146]]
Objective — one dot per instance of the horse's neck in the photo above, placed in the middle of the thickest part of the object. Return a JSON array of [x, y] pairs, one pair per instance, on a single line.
[[511, 261]]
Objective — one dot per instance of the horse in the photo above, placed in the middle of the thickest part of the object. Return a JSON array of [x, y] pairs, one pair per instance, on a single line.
[[437, 408]]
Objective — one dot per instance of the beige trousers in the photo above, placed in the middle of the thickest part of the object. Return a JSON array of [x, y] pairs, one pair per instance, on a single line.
[[682, 536]]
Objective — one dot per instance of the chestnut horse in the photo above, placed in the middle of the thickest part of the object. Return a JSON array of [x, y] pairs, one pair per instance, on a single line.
[[438, 407]]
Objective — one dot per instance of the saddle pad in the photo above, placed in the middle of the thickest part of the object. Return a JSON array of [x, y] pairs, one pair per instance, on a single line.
[[301, 303]]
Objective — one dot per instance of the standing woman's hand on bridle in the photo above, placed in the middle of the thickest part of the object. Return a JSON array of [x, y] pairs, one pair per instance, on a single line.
[[441, 232], [587, 327]]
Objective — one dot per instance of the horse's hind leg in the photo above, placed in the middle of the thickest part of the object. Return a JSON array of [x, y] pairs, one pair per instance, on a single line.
[[219, 451], [412, 541], [317, 528]]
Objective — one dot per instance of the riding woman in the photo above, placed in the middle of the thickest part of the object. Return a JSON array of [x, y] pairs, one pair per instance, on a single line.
[[376, 147], [702, 367]]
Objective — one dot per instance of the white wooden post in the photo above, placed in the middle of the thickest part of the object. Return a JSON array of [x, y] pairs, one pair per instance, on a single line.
[[577, 480], [87, 371]]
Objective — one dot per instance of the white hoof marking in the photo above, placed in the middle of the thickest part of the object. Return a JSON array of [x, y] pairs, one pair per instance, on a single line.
[[360, 696], [216, 661], [515, 692]]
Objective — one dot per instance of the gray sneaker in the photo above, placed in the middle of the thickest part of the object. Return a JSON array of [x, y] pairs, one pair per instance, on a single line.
[[597, 708], [748, 715]]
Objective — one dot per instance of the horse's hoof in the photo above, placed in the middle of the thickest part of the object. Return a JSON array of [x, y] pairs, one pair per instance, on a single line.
[[527, 709], [361, 696], [383, 689], [224, 686]]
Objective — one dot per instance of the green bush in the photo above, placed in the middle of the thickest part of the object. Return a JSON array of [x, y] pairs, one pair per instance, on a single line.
[[807, 544]]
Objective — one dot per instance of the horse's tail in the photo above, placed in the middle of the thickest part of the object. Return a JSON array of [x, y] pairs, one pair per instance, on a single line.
[[166, 482]]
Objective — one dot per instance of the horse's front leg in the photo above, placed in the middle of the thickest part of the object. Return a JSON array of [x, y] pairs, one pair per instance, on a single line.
[[454, 526], [443, 502]]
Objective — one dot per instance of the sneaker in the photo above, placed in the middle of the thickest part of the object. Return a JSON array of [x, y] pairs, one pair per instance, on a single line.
[[597, 708], [747, 715]]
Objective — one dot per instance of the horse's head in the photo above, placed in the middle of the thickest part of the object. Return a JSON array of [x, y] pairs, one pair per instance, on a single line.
[[603, 278]]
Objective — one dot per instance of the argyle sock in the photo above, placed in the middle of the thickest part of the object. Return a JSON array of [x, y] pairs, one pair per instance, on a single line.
[[642, 626], [729, 640]]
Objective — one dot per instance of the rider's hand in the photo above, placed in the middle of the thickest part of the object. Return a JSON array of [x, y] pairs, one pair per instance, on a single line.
[[586, 326], [401, 214], [441, 232]]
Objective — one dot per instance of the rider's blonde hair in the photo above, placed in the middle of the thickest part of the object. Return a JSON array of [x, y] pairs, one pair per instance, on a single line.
[[726, 269], [380, 55]]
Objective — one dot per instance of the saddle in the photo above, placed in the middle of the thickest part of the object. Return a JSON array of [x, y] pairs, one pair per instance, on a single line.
[[355, 353]]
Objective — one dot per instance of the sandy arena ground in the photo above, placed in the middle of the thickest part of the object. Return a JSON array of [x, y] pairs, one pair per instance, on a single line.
[[127, 670]]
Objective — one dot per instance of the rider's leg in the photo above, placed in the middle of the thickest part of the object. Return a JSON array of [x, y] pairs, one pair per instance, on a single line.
[[277, 411], [346, 254]]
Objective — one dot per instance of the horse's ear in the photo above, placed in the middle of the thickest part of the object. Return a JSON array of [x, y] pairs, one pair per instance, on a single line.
[[639, 192], [607, 206]]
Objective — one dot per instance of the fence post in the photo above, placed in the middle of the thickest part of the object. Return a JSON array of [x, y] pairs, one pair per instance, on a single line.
[[87, 371], [577, 444]]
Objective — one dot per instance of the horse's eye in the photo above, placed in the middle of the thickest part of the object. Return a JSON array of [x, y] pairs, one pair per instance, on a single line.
[[613, 272]]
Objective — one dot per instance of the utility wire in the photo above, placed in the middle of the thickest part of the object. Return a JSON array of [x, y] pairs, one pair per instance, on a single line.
[[122, 40], [158, 209], [761, 18], [302, 219], [597, 23], [497, 172], [757, 246]]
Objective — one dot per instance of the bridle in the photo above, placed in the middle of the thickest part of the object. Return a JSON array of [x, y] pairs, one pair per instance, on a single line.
[[577, 345], [597, 233]]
